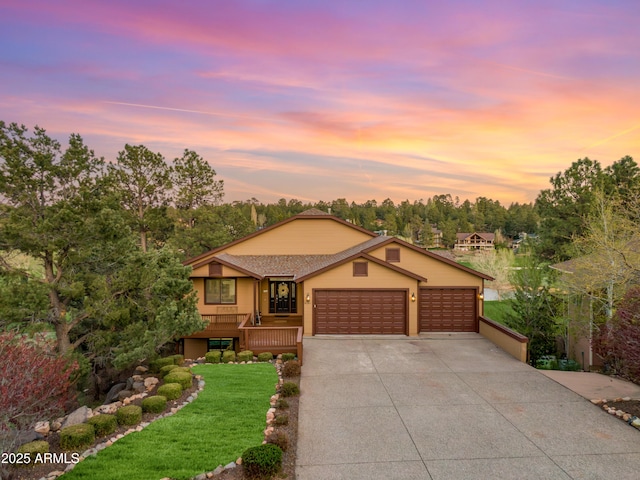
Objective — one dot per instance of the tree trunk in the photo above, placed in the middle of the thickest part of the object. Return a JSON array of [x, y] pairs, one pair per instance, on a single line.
[[58, 310]]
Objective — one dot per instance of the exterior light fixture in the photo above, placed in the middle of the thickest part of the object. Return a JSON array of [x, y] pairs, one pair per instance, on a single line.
[[413, 296], [308, 298], [481, 296]]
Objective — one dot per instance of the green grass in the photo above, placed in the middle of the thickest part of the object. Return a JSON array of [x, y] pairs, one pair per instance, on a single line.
[[497, 311], [227, 418]]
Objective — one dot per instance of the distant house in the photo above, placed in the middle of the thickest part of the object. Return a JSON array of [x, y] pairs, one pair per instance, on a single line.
[[475, 241], [436, 238]]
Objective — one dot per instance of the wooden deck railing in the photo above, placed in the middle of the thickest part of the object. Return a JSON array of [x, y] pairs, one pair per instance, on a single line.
[[221, 325], [271, 339]]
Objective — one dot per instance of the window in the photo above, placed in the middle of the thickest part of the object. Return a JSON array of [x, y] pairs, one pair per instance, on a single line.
[[360, 269], [392, 254], [219, 290]]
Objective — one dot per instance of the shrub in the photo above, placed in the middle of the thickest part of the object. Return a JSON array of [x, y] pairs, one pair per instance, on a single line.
[[157, 364], [129, 415], [262, 461], [77, 436], [212, 357], [170, 391], [155, 403], [182, 369], [166, 369], [279, 438], [34, 448], [282, 404], [103, 424], [282, 419], [291, 368], [288, 356], [617, 340], [185, 379], [289, 389], [178, 359], [265, 357], [228, 356], [245, 356], [33, 385]]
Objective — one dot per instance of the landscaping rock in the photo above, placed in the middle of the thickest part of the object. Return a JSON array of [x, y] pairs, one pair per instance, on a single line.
[[150, 382], [43, 428], [138, 387], [110, 409], [26, 437], [219, 469], [123, 394], [141, 369], [81, 415], [112, 394]]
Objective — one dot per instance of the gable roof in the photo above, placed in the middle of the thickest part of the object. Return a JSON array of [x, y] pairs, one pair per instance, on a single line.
[[490, 237], [301, 267], [312, 213]]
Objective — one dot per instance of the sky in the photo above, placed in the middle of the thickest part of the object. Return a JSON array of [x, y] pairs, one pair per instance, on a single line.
[[319, 100]]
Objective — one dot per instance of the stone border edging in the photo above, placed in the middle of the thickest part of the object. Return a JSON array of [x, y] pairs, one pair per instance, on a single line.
[[621, 414]]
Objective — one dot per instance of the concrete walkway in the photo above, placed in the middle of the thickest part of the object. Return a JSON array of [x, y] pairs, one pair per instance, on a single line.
[[452, 407]]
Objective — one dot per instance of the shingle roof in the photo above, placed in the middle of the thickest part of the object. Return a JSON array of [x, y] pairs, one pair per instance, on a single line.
[[295, 266]]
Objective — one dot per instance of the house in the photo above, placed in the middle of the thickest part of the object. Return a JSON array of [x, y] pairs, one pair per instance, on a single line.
[[316, 274], [475, 241]]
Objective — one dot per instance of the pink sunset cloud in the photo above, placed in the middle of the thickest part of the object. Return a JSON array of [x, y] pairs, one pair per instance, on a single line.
[[317, 100]]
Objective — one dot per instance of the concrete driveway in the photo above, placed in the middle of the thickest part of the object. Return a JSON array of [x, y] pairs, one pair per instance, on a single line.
[[448, 407]]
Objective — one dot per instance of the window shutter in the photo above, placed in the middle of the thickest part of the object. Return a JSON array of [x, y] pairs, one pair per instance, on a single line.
[[360, 269], [215, 269], [392, 254]]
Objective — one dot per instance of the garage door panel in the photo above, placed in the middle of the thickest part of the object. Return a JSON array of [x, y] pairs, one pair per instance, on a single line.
[[447, 310], [360, 311]]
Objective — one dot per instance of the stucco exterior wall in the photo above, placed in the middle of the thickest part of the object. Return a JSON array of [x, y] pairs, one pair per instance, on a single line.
[[438, 274], [379, 277], [244, 298], [316, 236]]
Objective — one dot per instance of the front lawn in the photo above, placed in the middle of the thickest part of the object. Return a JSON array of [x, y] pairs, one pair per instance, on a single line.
[[228, 416], [497, 310]]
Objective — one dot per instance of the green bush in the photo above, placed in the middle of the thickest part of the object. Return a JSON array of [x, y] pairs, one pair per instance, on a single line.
[[181, 369], [103, 424], [282, 419], [245, 356], [262, 461], [282, 404], [178, 359], [228, 356], [129, 415], [185, 379], [154, 404], [78, 436], [288, 356], [279, 438], [289, 389], [291, 368], [157, 364], [170, 391], [34, 448], [265, 357], [213, 356], [166, 369]]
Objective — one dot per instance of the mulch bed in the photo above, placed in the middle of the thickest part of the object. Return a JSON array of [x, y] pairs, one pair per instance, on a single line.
[[288, 457]]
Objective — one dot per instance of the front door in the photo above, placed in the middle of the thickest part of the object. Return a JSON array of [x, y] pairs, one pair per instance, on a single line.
[[282, 296]]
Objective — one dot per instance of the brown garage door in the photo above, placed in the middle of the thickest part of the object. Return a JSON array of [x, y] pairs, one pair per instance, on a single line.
[[447, 310], [360, 312]]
